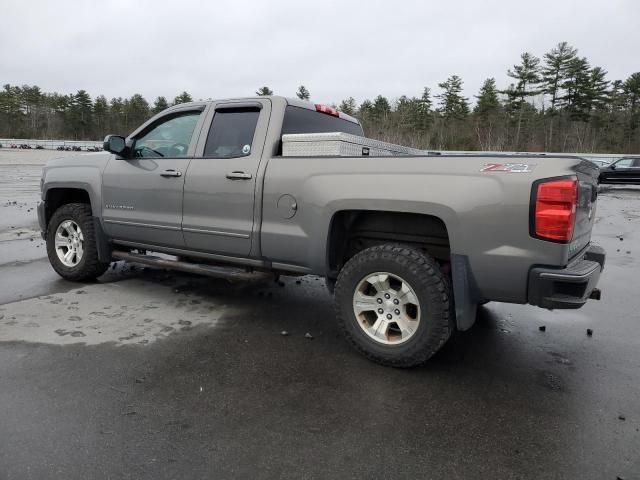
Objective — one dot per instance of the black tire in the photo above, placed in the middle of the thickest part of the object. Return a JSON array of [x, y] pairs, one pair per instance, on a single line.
[[89, 267], [431, 287]]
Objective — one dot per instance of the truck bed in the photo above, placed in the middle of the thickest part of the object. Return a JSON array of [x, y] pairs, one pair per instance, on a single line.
[[340, 144]]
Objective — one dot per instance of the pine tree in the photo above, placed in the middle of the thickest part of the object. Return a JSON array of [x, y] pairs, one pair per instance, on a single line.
[[303, 93], [527, 74], [405, 112], [632, 99], [554, 73], [632, 92], [101, 116], [414, 113], [136, 111], [184, 97], [32, 99], [60, 106], [365, 112], [381, 108], [422, 111], [486, 114], [576, 89], [510, 101], [554, 70], [116, 116], [10, 106], [528, 77], [159, 105], [348, 106], [80, 114], [613, 116], [598, 92], [452, 104], [264, 92], [617, 97], [487, 99]]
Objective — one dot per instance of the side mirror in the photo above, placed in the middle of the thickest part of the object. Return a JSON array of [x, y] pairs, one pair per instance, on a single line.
[[114, 144], [612, 167]]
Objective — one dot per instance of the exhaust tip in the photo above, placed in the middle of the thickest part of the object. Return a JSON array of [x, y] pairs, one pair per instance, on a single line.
[[595, 294]]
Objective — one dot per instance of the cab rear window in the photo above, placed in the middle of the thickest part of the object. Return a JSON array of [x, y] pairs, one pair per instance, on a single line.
[[302, 120]]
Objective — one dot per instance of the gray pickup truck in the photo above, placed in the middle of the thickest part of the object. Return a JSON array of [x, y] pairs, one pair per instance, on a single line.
[[410, 244]]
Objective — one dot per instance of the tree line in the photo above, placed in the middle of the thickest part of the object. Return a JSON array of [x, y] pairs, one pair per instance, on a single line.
[[558, 103], [28, 112]]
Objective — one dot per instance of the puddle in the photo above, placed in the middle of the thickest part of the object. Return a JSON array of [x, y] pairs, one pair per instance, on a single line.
[[128, 312]]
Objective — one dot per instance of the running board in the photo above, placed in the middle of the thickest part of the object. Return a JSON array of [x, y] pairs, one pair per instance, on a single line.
[[232, 274]]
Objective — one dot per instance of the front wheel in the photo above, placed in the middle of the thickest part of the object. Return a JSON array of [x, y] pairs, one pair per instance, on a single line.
[[71, 243], [393, 305]]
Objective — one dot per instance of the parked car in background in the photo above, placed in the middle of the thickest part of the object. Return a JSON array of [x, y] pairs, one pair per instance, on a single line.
[[624, 171], [600, 163]]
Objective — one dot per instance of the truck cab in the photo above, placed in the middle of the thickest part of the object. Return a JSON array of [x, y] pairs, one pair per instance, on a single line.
[[188, 178]]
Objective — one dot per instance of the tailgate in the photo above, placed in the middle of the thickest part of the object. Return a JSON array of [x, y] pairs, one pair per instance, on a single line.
[[585, 208]]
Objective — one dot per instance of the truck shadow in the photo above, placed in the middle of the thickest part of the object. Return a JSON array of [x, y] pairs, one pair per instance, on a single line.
[[489, 332], [299, 306]]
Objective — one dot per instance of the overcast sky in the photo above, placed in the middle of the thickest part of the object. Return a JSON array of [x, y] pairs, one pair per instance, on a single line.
[[217, 49]]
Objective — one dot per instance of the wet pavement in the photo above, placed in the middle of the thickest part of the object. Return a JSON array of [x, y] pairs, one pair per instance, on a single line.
[[153, 374]]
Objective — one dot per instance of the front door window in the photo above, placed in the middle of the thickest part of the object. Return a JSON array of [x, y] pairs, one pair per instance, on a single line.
[[169, 138]]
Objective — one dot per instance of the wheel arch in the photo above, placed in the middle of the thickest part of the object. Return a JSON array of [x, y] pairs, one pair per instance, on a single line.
[[56, 196], [426, 232], [59, 195], [347, 227]]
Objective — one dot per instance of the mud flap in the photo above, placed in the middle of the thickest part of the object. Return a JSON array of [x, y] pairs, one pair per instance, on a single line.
[[102, 242], [464, 292]]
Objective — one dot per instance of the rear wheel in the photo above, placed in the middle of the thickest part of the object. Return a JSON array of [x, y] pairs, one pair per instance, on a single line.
[[393, 305], [71, 243]]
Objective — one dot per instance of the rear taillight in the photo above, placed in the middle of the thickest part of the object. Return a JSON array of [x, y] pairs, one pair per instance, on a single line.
[[555, 209], [326, 109]]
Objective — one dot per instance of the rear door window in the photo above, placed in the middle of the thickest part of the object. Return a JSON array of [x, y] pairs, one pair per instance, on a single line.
[[231, 133], [303, 120]]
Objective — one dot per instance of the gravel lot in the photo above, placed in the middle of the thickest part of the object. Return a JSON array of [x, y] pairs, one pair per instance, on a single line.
[[152, 374]]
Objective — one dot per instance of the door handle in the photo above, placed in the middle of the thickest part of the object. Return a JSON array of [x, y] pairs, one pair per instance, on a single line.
[[171, 173], [239, 176]]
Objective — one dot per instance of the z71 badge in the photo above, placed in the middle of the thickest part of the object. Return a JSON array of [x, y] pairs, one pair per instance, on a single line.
[[507, 167]]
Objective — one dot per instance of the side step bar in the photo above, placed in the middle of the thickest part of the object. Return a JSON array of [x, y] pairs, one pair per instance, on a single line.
[[232, 274]]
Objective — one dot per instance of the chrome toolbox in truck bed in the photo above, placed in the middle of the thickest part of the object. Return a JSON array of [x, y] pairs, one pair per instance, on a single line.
[[339, 144]]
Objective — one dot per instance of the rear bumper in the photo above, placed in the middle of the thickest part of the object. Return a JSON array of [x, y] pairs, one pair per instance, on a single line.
[[568, 287]]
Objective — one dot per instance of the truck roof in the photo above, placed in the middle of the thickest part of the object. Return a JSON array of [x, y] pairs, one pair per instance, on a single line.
[[296, 102]]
